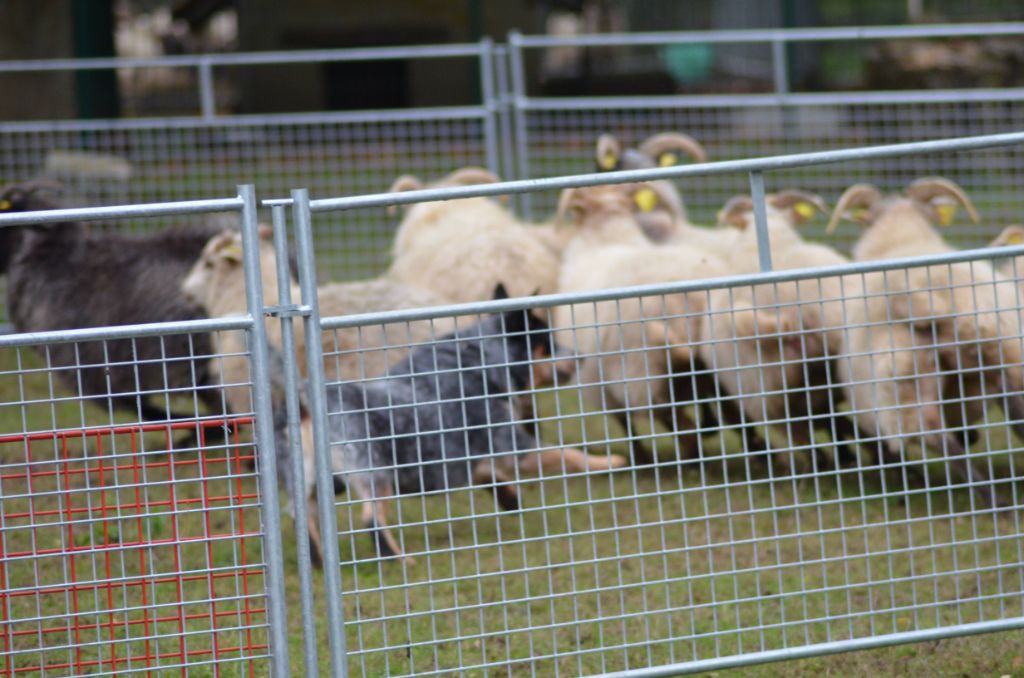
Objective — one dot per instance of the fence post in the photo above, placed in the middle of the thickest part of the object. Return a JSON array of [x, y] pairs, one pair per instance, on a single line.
[[294, 455], [207, 101], [262, 406], [504, 113], [515, 53], [321, 443], [764, 247], [489, 103]]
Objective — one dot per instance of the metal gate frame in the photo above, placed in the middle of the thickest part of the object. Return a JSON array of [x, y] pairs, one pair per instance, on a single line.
[[304, 209], [245, 206]]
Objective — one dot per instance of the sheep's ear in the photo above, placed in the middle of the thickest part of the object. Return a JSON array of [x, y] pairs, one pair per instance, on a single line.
[[736, 211], [606, 154], [800, 206], [1011, 235], [754, 324], [942, 196], [228, 248]]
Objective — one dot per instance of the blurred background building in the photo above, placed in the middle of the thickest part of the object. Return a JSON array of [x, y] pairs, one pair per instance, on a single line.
[[152, 28]]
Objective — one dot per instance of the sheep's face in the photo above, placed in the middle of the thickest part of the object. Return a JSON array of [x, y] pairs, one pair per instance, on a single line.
[[221, 259]]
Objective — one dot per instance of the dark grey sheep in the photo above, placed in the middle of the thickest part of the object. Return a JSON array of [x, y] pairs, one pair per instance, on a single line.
[[66, 276]]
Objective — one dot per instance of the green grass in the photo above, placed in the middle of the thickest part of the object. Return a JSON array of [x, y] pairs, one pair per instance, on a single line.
[[641, 567]]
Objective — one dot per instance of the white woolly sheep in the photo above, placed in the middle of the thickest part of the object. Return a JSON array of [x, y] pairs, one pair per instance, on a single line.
[[773, 346], [466, 247], [972, 312], [636, 348]]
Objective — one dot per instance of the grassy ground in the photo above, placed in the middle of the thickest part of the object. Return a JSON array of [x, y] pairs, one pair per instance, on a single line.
[[641, 567]]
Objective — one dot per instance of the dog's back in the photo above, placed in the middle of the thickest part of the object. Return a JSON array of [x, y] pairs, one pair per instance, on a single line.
[[439, 411]]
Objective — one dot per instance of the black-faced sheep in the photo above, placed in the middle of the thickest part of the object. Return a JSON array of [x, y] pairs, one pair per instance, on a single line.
[[67, 276]]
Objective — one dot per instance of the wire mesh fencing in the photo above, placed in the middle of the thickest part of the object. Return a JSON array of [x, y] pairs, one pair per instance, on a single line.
[[137, 530], [735, 467]]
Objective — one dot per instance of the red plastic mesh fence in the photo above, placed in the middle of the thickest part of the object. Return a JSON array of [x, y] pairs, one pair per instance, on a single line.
[[123, 551]]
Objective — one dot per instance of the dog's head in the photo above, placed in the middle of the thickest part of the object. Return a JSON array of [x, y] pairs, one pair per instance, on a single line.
[[530, 342]]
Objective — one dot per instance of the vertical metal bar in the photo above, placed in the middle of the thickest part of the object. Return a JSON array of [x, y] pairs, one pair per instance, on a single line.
[[780, 66], [321, 449], [489, 103], [207, 102], [504, 120], [295, 451], [269, 506], [518, 100], [764, 248]]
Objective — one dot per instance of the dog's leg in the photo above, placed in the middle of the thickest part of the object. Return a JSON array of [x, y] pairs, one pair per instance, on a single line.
[[375, 515], [575, 461], [486, 473]]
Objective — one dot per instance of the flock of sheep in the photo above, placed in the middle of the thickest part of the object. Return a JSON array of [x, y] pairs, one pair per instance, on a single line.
[[918, 354]]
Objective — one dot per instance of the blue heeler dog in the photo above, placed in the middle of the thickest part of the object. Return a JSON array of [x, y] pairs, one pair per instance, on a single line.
[[444, 417]]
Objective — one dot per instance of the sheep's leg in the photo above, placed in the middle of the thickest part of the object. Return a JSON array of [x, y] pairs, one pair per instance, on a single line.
[[685, 428], [571, 459], [1015, 413], [844, 434], [316, 547], [636, 448], [968, 472], [486, 473]]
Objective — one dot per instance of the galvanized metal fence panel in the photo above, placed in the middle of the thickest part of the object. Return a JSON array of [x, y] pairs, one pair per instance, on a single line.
[[555, 135], [204, 152], [778, 499], [139, 525]]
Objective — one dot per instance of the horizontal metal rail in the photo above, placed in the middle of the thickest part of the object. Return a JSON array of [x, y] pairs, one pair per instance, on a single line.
[[241, 322], [249, 120], [853, 268], [770, 35], [156, 209], [834, 647], [769, 163], [772, 99], [250, 58]]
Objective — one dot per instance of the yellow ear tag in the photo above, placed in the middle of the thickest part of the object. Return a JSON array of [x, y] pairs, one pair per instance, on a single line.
[[946, 214], [1015, 239], [232, 252], [668, 160], [608, 161], [804, 210], [5, 205], [859, 214], [646, 199]]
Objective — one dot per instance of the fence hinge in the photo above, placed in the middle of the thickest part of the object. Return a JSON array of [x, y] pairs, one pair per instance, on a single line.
[[288, 311]]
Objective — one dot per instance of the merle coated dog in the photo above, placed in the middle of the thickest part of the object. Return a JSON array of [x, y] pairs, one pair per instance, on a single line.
[[445, 417]]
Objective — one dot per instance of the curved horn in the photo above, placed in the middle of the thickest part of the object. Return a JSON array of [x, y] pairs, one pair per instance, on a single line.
[[1011, 235], [654, 146], [858, 195], [926, 188], [733, 211], [566, 202], [607, 152], [406, 182], [466, 176]]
